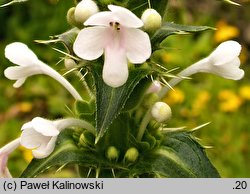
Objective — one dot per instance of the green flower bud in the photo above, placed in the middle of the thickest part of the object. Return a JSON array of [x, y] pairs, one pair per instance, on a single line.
[[69, 63], [161, 112], [71, 17], [84, 10], [112, 153], [86, 139], [131, 155], [151, 19]]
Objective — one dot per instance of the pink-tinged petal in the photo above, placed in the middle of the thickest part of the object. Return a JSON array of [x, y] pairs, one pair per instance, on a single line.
[[125, 17], [20, 54], [138, 46], [4, 171], [45, 149], [31, 139], [225, 52], [100, 19], [115, 69], [90, 42], [45, 127]]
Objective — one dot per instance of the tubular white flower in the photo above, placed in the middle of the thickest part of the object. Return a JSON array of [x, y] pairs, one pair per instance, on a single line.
[[115, 34], [40, 134], [28, 65], [223, 61], [4, 154], [84, 10]]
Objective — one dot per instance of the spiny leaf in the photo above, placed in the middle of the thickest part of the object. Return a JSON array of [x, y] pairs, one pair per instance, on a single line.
[[179, 156], [170, 28], [110, 101]]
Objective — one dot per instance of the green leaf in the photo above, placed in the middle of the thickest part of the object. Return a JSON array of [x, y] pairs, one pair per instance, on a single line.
[[137, 95], [170, 28], [66, 152], [13, 2], [110, 101], [138, 6], [179, 156], [231, 2]]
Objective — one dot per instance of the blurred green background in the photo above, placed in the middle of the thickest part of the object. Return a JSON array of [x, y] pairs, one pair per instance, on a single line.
[[205, 98]]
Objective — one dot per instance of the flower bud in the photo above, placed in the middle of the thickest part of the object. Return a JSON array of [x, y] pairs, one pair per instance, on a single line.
[[131, 154], [86, 139], [69, 63], [161, 112], [71, 17], [112, 153], [84, 10], [151, 19], [154, 87]]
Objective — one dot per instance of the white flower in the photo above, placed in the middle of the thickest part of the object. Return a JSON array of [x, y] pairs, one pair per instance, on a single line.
[[161, 112], [152, 19], [40, 134], [116, 35], [84, 10], [4, 154], [224, 61], [28, 65]]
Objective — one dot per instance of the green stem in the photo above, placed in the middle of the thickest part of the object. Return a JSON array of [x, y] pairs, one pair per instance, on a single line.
[[144, 124]]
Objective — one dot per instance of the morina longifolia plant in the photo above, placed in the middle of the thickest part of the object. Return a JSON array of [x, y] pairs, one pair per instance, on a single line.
[[122, 130]]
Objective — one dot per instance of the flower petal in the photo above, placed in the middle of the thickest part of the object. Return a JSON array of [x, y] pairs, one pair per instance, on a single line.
[[90, 42], [230, 70], [225, 52], [19, 82], [100, 19], [45, 127], [32, 139], [115, 69], [125, 17], [18, 72], [10, 147], [20, 54], [45, 149], [138, 46]]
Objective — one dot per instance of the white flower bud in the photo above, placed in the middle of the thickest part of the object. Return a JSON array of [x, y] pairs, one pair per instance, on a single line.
[[161, 112], [151, 19], [69, 63], [84, 10]]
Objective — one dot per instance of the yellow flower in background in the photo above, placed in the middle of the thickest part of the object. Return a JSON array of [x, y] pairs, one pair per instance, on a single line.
[[175, 96], [27, 154], [244, 92], [200, 102], [229, 101], [225, 32]]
